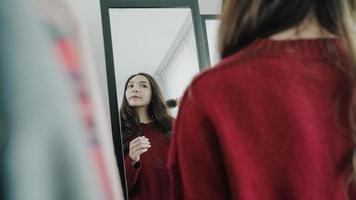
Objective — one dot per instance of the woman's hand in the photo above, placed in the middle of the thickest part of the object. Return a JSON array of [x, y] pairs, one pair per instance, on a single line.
[[138, 146]]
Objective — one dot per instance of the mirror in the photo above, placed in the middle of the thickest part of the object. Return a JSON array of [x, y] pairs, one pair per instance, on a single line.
[[157, 41], [164, 42]]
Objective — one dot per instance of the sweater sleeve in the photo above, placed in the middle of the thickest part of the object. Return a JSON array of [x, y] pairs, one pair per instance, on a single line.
[[132, 172], [195, 163]]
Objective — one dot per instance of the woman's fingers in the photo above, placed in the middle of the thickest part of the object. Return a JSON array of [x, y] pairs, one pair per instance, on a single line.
[[135, 155], [139, 141], [142, 151], [139, 147], [140, 144]]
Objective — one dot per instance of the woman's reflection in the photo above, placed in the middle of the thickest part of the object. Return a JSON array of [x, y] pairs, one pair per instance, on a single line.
[[146, 130]]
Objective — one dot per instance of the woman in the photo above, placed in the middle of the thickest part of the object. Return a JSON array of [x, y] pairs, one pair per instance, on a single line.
[[146, 128], [271, 121]]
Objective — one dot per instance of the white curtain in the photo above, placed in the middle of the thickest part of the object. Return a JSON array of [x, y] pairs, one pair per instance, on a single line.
[[180, 64]]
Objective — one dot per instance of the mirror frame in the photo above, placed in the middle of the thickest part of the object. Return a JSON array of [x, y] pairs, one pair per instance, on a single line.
[[202, 53], [203, 21]]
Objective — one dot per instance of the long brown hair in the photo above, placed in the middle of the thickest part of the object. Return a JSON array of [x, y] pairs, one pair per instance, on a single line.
[[244, 21], [157, 110]]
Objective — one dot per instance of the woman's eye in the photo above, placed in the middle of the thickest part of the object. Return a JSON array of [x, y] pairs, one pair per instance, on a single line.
[[129, 86], [144, 86]]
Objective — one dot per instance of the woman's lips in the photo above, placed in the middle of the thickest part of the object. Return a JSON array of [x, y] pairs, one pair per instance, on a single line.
[[135, 97]]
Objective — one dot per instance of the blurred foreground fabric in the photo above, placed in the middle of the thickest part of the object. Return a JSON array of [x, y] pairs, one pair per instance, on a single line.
[[49, 147]]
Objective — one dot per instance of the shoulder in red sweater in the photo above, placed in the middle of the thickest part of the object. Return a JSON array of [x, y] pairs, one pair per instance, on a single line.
[[269, 122]]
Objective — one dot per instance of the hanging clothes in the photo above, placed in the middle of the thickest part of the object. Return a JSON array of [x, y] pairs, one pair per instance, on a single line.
[[67, 34], [45, 152]]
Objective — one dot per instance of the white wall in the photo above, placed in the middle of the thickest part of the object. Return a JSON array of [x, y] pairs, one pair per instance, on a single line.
[[181, 64]]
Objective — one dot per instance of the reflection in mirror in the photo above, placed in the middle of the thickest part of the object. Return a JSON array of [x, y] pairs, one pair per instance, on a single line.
[[212, 26], [160, 42]]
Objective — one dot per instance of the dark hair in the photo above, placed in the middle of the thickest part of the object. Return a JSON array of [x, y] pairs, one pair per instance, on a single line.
[[244, 21], [157, 110], [171, 103]]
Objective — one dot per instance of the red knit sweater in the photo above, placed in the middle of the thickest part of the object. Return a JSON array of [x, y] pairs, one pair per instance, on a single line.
[[268, 123], [149, 180]]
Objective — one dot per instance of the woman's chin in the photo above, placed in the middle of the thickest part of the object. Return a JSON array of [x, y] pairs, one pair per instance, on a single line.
[[136, 104]]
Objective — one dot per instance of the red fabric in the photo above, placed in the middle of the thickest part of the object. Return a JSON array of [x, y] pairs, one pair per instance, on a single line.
[[150, 180], [269, 122]]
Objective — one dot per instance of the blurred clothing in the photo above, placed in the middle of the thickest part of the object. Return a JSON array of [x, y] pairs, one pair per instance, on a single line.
[[63, 25], [46, 150], [270, 122]]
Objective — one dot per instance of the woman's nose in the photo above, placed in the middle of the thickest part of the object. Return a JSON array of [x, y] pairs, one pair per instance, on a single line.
[[134, 89]]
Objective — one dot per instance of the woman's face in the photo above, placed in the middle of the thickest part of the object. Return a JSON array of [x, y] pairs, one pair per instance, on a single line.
[[138, 92]]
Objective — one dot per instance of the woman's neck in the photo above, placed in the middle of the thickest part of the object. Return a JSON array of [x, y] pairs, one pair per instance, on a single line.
[[142, 113], [308, 29]]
